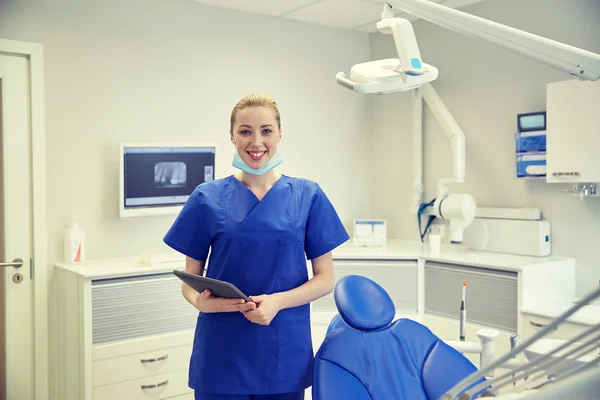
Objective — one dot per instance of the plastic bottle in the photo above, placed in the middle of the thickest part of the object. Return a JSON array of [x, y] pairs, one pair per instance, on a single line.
[[74, 242]]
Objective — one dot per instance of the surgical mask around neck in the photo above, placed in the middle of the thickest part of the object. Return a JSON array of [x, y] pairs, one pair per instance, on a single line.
[[273, 162]]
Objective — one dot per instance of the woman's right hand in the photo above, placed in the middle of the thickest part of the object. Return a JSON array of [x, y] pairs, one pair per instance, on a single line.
[[207, 303]]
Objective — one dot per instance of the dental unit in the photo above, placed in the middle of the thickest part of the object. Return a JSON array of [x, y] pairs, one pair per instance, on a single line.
[[408, 72], [571, 367]]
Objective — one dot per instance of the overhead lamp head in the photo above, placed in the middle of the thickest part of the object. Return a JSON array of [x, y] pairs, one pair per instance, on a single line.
[[407, 72]]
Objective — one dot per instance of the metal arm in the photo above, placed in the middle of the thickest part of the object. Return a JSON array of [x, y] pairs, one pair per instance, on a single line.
[[583, 64]]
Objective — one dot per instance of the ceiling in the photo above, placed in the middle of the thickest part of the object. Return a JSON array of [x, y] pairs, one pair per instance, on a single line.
[[359, 15]]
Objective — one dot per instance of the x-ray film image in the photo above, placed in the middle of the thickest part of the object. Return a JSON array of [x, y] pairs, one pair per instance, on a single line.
[[170, 174], [208, 173]]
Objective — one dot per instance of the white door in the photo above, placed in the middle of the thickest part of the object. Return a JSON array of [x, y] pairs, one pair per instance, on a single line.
[[17, 372]]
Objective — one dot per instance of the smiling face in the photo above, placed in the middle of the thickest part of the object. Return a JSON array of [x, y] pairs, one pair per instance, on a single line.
[[255, 133]]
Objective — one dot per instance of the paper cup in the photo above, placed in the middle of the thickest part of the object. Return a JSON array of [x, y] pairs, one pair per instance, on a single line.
[[435, 242]]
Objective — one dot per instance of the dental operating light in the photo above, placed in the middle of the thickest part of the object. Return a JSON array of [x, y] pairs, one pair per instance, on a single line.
[[401, 74], [408, 71]]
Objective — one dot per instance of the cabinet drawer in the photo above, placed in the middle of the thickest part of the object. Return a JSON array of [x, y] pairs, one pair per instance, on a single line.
[[188, 396], [143, 345], [140, 306], [134, 366], [398, 278], [161, 386], [532, 324]]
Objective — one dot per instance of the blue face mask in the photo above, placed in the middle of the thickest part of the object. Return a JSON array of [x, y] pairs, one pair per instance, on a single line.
[[240, 164]]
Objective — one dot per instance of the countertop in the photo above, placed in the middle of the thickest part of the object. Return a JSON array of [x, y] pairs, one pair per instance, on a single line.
[[457, 254], [126, 266], [393, 250]]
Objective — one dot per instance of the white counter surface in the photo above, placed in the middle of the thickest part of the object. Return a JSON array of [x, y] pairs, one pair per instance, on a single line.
[[401, 250], [393, 250], [109, 268]]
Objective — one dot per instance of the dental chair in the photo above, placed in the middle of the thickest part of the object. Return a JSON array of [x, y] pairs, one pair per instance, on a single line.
[[367, 356]]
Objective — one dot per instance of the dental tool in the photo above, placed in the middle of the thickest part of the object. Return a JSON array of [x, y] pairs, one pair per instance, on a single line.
[[463, 313]]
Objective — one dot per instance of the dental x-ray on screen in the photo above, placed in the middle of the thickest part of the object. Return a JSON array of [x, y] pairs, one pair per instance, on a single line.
[[158, 179]]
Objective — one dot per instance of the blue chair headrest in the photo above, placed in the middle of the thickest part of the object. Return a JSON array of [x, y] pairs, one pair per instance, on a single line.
[[363, 304]]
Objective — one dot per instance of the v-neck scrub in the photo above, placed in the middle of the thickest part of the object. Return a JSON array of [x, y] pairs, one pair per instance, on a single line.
[[260, 246]]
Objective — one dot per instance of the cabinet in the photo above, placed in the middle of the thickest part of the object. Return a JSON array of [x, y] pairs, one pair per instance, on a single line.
[[428, 289], [533, 323], [126, 332], [397, 277], [536, 318], [498, 287], [573, 131], [122, 335]]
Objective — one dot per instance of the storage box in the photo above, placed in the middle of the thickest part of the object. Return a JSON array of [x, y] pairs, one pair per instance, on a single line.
[[531, 165]]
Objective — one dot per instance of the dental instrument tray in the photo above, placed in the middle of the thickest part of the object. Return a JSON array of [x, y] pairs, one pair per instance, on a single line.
[[218, 288]]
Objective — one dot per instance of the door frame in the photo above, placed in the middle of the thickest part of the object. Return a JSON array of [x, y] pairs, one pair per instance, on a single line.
[[34, 53]]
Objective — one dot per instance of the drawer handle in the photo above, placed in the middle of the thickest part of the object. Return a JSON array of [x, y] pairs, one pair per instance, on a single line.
[[144, 387], [538, 325], [151, 360], [565, 173]]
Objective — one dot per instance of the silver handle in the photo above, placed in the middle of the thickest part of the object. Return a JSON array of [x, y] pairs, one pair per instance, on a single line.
[[144, 387], [565, 173], [17, 263], [151, 360], [538, 325]]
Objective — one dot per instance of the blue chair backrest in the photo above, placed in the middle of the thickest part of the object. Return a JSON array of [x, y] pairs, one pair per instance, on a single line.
[[366, 356]]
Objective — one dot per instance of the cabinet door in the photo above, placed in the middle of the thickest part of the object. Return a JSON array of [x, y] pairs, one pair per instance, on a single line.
[[139, 306], [532, 324], [573, 131], [491, 298], [398, 278]]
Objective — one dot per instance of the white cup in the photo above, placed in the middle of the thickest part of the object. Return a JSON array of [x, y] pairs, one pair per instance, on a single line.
[[435, 242]]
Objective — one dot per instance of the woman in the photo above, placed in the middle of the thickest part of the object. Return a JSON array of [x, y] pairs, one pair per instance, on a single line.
[[260, 227]]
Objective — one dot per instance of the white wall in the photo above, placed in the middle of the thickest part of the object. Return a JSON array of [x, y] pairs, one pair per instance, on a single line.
[[156, 70], [485, 87]]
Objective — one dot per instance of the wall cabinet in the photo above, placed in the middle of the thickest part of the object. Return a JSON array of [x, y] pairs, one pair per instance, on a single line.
[[573, 131]]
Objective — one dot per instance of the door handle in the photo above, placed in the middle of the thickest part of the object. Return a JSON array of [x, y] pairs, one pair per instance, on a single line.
[[17, 263]]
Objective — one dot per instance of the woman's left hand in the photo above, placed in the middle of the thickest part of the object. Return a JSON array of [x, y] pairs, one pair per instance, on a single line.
[[267, 308]]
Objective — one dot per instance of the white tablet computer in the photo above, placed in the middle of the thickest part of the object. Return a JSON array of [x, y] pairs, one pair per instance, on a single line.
[[217, 288]]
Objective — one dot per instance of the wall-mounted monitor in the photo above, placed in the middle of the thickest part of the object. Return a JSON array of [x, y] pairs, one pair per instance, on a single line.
[[158, 178]]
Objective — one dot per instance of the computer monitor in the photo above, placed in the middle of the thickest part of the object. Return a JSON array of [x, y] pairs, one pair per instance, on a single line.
[[158, 178]]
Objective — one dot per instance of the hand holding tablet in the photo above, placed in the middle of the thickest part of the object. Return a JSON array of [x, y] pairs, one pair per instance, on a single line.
[[215, 295]]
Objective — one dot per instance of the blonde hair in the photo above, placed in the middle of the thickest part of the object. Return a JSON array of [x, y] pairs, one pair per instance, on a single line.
[[254, 100]]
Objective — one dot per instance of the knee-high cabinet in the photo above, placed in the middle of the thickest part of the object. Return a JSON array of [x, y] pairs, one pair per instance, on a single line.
[[125, 331]]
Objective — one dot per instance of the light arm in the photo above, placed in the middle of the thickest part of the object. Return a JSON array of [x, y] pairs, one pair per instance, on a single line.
[[458, 209], [454, 133], [572, 60]]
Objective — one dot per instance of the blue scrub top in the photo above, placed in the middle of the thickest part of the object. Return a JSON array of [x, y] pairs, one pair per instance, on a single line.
[[261, 247]]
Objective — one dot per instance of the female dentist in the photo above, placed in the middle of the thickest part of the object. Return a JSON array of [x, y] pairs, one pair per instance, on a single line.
[[260, 227]]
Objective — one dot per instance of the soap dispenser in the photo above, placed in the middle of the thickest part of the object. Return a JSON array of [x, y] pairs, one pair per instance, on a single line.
[[74, 242]]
